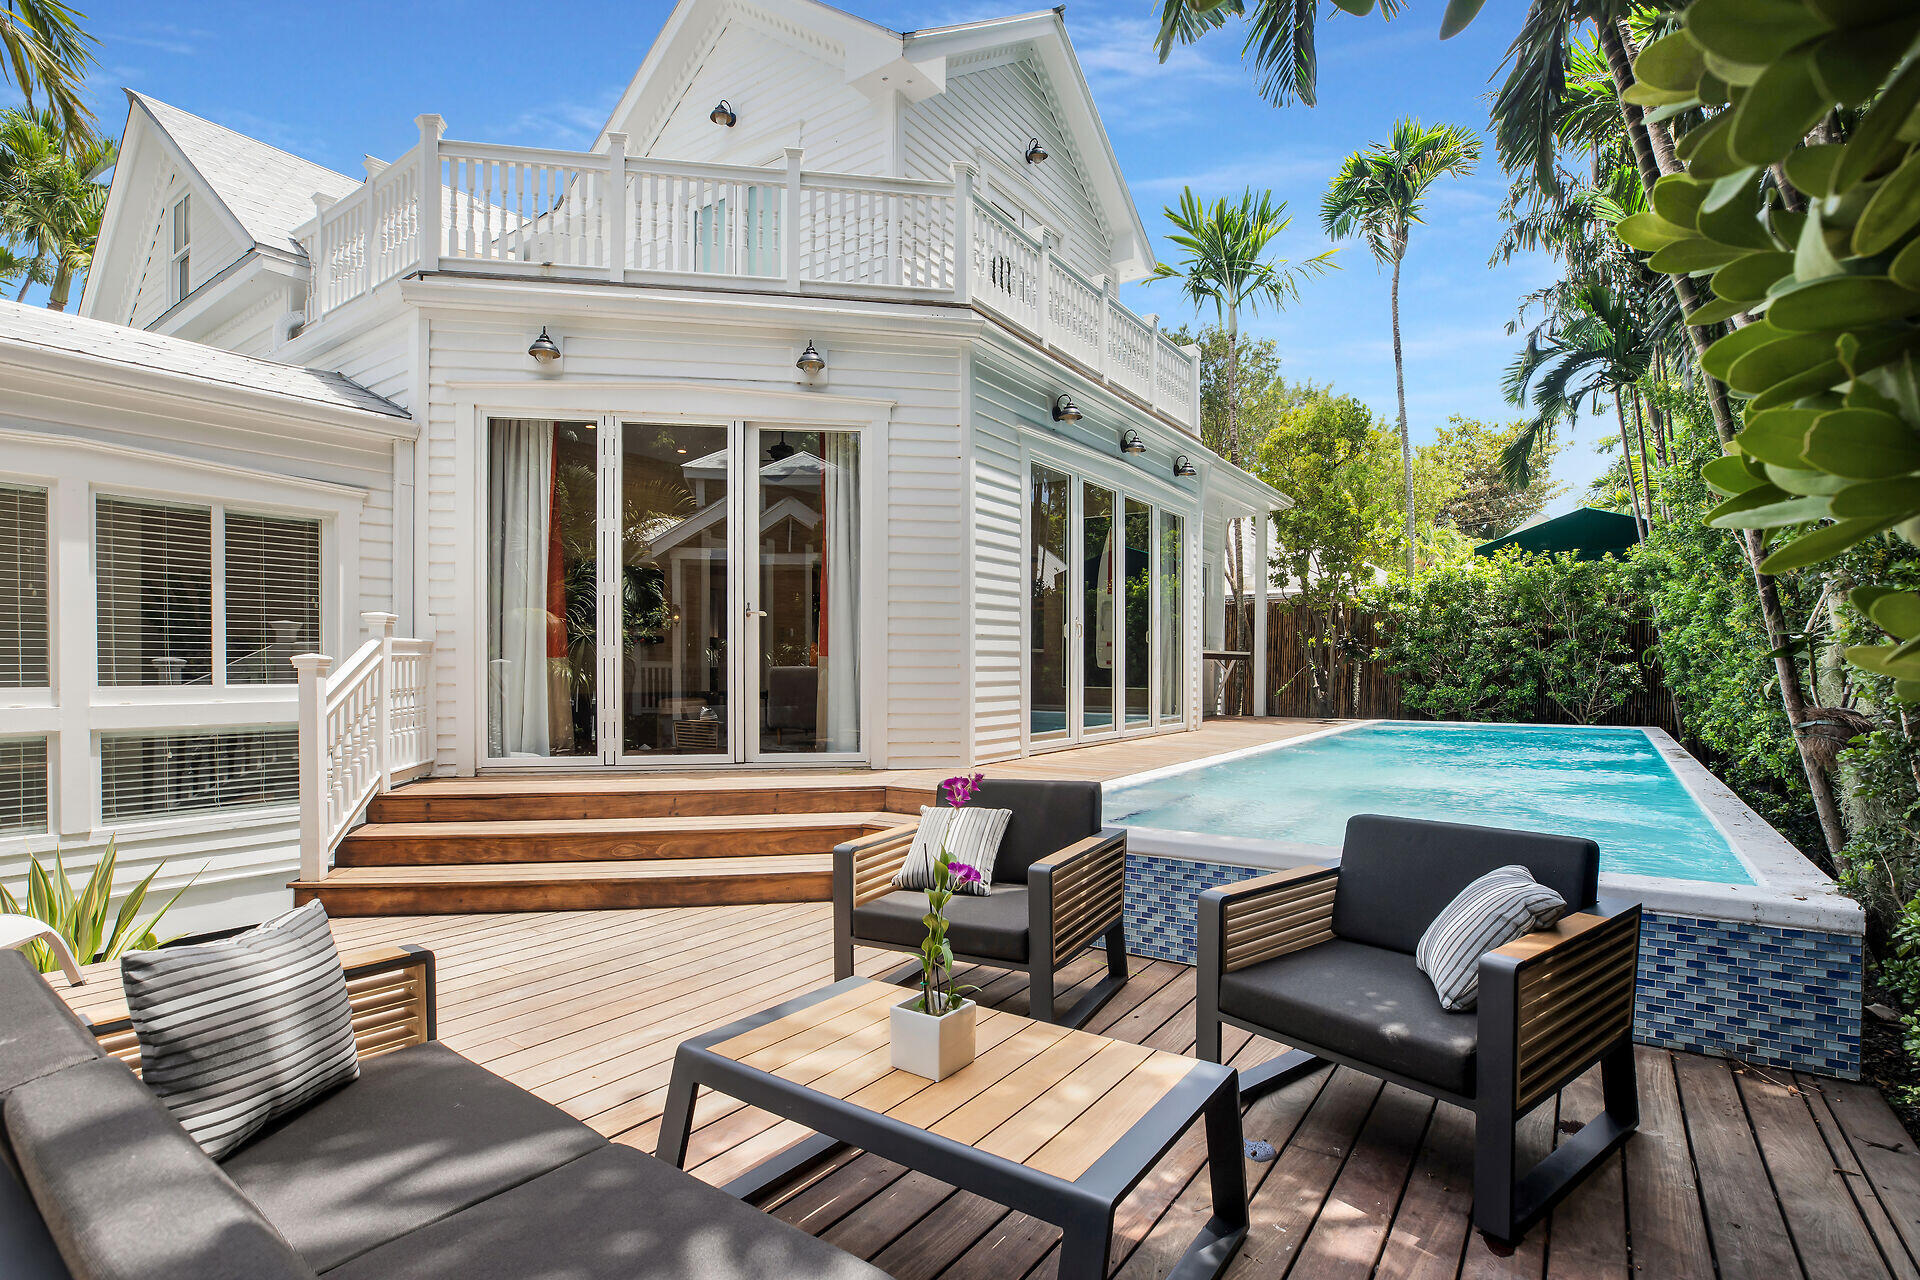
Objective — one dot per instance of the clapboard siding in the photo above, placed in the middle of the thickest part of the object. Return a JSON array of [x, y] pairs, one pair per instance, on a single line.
[[213, 247], [995, 110], [785, 93], [1000, 579]]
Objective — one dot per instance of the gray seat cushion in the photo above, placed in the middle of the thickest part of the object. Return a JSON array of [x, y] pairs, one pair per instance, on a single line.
[[1370, 1004], [38, 1033], [126, 1194], [994, 926], [422, 1134], [1397, 874], [1048, 815], [614, 1215]]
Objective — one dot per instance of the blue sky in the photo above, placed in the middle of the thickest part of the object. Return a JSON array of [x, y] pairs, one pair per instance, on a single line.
[[335, 82]]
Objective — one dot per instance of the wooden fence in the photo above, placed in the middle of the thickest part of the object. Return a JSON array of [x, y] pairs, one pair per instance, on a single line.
[[1311, 671]]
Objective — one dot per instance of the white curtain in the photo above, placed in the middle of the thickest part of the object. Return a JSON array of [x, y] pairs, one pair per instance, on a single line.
[[839, 698], [520, 484]]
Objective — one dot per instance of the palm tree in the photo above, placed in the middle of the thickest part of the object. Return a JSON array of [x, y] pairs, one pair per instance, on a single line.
[[1224, 264], [44, 51], [51, 201], [1378, 195]]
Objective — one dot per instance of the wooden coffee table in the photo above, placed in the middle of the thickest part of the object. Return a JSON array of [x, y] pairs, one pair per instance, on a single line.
[[1055, 1123]]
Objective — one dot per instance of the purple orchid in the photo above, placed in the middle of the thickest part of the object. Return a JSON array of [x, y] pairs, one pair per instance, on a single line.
[[961, 790], [963, 873]]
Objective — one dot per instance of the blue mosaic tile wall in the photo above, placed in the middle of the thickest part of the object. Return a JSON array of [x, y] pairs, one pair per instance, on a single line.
[[1762, 993]]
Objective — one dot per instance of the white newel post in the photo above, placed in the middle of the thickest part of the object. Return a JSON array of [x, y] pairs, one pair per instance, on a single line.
[[790, 220], [1262, 523], [313, 763], [432, 129], [1043, 322], [1153, 359], [1106, 326], [962, 231], [380, 627], [1193, 356], [619, 221]]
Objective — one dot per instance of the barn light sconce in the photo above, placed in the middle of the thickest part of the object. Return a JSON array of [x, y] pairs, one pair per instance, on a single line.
[[1183, 469], [1035, 152], [543, 348], [780, 451], [723, 114], [810, 361], [1065, 410], [1132, 443]]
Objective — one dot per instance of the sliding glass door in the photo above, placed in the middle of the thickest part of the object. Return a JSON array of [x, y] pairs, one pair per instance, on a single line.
[[1049, 612]]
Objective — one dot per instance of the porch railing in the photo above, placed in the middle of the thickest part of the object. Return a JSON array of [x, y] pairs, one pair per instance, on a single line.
[[606, 215], [363, 729]]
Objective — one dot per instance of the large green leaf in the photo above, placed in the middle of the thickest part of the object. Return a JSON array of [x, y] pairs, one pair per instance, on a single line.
[[1743, 513], [1719, 357], [1892, 212], [1459, 13], [1776, 361], [1841, 302], [1718, 311], [1649, 231], [1731, 212], [1893, 610], [1673, 62], [1811, 168], [1777, 436], [1850, 65], [1731, 474], [1685, 257], [1858, 13], [1676, 199], [1822, 544], [1862, 444], [1894, 499], [1904, 270], [1746, 279], [1878, 658], [1813, 256], [1804, 483], [1778, 111], [1879, 130], [1710, 154], [1752, 31]]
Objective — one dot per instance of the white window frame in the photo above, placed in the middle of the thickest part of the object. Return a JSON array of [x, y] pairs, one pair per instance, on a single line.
[[180, 260]]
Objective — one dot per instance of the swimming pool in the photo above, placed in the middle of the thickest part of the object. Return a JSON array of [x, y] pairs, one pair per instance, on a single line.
[[1612, 785]]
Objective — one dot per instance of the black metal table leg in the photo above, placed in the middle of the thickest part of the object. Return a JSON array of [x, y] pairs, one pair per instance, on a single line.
[[676, 1122], [1085, 1240], [1207, 1257]]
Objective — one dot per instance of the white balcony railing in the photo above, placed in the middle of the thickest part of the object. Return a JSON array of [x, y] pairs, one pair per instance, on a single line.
[[363, 729], [635, 220]]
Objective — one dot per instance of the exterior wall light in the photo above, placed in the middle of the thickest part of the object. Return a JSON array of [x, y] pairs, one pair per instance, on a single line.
[[1035, 152], [723, 114], [1065, 410], [1132, 443], [543, 348], [810, 361], [1183, 469]]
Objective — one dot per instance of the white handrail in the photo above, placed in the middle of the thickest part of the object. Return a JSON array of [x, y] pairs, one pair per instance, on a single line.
[[362, 729]]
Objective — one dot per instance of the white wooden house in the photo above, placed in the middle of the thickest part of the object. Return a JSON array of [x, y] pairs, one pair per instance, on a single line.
[[555, 413]]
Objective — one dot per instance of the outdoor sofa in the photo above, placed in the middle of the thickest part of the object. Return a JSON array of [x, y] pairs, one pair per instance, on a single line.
[[1322, 960], [1059, 886], [426, 1166]]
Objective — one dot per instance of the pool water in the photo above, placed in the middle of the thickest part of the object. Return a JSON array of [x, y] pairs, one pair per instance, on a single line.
[[1610, 785]]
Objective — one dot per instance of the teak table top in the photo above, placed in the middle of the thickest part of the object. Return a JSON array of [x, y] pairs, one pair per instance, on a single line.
[[1047, 1097]]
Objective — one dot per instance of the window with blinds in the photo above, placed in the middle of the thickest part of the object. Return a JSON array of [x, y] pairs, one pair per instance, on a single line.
[[23, 588], [153, 569], [149, 775], [23, 786], [273, 596]]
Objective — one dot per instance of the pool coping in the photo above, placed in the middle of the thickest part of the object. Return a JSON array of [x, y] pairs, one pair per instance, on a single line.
[[1788, 890]]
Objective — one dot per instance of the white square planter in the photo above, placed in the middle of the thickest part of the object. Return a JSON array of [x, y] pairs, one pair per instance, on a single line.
[[928, 1046]]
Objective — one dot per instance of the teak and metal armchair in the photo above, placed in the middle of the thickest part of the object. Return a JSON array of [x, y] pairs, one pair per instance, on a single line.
[[1321, 959], [1059, 886]]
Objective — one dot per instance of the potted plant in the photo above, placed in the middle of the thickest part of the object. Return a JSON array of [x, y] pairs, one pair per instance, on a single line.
[[931, 1033]]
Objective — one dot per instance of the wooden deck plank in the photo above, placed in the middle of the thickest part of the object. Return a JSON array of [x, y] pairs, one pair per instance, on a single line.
[[1664, 1211], [1430, 1227], [1589, 1228], [1825, 1225], [1351, 1228], [1744, 1221], [1884, 1152]]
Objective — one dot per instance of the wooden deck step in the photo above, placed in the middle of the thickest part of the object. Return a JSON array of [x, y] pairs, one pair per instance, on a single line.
[[574, 798], [467, 842], [569, 886]]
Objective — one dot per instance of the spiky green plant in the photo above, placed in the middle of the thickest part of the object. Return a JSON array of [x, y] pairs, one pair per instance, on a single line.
[[85, 918]]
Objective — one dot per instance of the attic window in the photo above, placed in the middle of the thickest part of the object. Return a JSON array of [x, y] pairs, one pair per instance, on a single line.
[[182, 274]]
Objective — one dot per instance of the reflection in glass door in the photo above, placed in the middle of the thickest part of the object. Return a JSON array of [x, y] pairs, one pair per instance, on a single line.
[[672, 608], [1048, 611], [1136, 661], [806, 595], [1173, 634], [1100, 635]]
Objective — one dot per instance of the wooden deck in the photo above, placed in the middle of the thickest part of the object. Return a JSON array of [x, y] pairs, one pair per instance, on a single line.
[[1736, 1172]]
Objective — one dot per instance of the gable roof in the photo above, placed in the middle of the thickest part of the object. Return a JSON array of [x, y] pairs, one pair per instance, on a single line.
[[37, 329], [268, 191]]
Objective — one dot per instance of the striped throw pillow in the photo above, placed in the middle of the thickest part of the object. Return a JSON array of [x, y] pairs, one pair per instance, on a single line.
[[1504, 904], [238, 1032], [972, 836]]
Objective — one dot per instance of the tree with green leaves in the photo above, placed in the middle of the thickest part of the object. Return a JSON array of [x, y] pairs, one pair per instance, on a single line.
[[1225, 264], [1378, 195], [51, 200], [45, 54], [1460, 483]]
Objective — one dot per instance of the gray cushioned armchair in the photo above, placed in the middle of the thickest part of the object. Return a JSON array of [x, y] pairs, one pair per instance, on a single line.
[[1321, 959], [1059, 886]]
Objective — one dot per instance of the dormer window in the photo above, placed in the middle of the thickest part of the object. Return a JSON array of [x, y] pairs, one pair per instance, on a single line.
[[182, 239]]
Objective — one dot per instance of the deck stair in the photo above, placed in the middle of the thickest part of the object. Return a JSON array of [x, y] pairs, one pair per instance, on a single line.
[[531, 843]]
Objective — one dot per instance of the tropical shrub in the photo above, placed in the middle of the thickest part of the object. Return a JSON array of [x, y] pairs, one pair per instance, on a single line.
[[1827, 363], [84, 918]]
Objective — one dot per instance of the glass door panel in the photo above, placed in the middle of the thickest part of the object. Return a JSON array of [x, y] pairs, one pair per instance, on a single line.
[[1137, 612], [543, 486], [807, 591], [1048, 621], [1100, 635], [1173, 633], [673, 610]]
